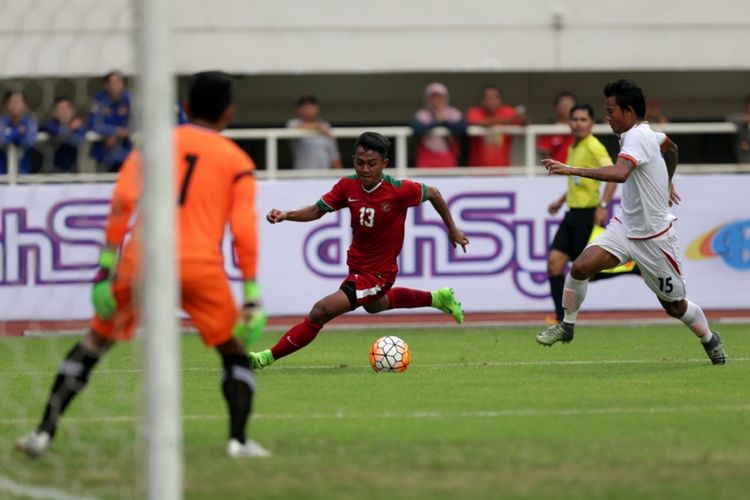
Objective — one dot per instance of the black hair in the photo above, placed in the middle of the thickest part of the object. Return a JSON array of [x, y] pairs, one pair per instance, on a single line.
[[584, 106], [627, 94], [490, 87], [11, 93], [372, 141], [563, 94], [306, 99], [112, 73], [747, 99], [62, 98], [209, 95]]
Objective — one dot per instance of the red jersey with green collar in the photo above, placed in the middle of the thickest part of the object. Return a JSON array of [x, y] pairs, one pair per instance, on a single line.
[[378, 217]]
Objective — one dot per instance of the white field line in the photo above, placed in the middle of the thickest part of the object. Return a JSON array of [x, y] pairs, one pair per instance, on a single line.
[[7, 485], [282, 367], [434, 415], [427, 324]]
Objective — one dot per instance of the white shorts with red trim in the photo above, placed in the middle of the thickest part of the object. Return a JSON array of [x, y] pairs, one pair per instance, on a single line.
[[658, 258]]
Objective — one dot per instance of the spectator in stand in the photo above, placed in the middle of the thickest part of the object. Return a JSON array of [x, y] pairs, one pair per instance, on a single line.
[[556, 146], [437, 150], [493, 149], [110, 118], [317, 151], [180, 115], [654, 113], [66, 132], [742, 139], [19, 128]]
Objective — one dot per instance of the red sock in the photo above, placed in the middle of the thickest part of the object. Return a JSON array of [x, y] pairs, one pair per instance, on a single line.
[[408, 298], [296, 338]]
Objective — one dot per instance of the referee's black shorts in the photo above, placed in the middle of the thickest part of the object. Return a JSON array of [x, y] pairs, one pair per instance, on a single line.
[[574, 232]]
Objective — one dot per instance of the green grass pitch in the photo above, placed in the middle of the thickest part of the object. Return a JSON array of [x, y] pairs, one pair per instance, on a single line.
[[622, 412]]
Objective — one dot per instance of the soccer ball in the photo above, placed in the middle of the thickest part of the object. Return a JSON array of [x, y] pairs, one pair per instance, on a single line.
[[390, 354]]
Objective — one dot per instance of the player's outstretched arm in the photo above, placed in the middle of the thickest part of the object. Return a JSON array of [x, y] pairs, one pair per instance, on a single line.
[[457, 237], [304, 214], [619, 172]]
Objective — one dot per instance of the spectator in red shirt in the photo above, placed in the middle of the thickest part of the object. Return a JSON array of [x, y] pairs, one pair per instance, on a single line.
[[437, 150], [492, 149], [556, 146], [742, 139], [654, 113]]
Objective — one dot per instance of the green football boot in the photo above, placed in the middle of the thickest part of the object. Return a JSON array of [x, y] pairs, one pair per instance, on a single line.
[[259, 360], [445, 300]]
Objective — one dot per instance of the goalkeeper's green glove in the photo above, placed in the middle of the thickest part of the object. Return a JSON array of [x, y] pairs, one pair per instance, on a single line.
[[254, 318], [101, 294]]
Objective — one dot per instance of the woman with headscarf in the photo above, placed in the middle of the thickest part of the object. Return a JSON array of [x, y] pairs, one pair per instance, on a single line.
[[437, 150]]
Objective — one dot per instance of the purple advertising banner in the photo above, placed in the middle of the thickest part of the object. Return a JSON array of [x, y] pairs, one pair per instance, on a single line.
[[50, 236]]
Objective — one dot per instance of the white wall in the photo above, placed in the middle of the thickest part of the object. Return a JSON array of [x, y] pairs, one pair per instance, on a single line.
[[85, 37]]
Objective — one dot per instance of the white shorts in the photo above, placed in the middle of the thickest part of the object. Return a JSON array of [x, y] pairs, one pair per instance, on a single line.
[[658, 258]]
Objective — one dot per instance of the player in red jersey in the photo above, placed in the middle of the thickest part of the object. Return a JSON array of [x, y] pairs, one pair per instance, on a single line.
[[378, 205]]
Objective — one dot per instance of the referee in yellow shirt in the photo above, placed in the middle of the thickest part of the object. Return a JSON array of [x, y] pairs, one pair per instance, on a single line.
[[586, 207]]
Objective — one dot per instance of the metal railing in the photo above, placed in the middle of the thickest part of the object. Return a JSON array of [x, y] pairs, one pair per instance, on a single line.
[[400, 135]]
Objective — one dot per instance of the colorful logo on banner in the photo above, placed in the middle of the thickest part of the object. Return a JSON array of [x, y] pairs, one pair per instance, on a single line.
[[730, 241]]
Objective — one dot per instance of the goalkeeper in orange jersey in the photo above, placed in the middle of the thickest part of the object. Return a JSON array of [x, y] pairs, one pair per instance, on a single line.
[[214, 184]]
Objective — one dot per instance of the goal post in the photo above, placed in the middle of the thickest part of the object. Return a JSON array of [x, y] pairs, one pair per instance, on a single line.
[[162, 426]]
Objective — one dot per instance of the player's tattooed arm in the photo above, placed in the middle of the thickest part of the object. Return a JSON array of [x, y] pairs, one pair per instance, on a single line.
[[669, 151], [304, 214], [619, 172], [457, 237]]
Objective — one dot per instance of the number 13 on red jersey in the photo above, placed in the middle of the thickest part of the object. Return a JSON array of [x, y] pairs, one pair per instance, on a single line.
[[367, 216]]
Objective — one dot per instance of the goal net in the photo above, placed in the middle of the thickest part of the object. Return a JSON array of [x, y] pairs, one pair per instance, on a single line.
[[80, 81]]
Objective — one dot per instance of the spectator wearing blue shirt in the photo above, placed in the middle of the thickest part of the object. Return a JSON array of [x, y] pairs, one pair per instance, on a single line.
[[17, 128], [66, 132], [180, 115], [110, 118]]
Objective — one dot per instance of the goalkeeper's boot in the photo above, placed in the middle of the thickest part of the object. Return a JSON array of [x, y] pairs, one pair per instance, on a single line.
[[250, 449], [34, 444], [561, 332], [259, 360], [715, 350], [445, 300]]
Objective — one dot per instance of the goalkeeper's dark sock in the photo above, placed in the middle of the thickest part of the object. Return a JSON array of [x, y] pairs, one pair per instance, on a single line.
[[296, 338], [556, 285], [408, 298], [72, 376], [238, 386]]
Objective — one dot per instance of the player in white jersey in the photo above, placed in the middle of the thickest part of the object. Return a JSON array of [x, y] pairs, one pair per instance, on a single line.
[[643, 231]]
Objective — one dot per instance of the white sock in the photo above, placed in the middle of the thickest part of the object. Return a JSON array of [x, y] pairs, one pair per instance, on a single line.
[[697, 322], [573, 295]]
